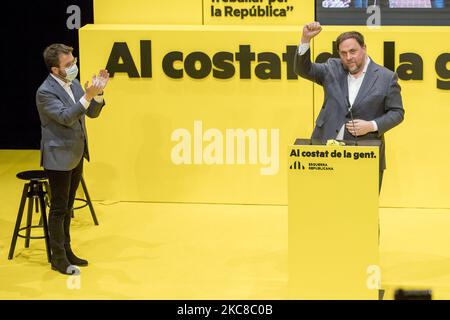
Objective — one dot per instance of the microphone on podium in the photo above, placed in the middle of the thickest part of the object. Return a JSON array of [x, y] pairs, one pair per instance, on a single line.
[[349, 109]]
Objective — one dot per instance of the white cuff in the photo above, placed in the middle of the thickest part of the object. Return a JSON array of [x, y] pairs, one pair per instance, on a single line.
[[302, 48], [84, 102], [375, 126]]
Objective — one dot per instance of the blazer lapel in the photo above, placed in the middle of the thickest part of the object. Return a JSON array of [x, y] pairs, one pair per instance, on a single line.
[[59, 90], [77, 93], [343, 85], [369, 79]]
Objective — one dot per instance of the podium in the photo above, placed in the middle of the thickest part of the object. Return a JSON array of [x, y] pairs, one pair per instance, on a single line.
[[333, 220]]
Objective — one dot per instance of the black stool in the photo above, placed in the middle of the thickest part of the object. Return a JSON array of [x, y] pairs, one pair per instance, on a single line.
[[34, 191]]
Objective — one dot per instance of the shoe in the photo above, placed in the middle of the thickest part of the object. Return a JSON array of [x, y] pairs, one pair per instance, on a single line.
[[381, 294], [59, 261], [73, 259], [64, 267]]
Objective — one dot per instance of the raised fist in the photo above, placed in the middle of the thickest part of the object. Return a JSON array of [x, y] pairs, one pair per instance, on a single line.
[[310, 30]]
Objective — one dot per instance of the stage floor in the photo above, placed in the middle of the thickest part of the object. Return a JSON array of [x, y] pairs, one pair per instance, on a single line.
[[199, 251]]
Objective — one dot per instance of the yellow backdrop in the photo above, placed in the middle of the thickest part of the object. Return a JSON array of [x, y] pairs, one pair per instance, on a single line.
[[165, 139], [140, 144], [206, 12]]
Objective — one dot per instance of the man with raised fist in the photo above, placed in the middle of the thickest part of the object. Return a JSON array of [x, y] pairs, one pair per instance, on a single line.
[[362, 99]]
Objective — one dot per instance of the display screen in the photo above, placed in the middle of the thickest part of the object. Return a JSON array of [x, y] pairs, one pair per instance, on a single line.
[[392, 12]]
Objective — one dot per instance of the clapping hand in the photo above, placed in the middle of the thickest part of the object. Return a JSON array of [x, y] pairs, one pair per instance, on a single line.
[[97, 85]]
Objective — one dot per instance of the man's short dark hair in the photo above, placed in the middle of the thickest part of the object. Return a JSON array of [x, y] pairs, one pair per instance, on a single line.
[[350, 35], [52, 52]]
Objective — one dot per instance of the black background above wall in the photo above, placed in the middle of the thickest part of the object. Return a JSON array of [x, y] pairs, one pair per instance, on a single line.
[[29, 27]]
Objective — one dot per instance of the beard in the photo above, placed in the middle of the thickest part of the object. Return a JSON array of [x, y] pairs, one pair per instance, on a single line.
[[62, 74], [354, 69]]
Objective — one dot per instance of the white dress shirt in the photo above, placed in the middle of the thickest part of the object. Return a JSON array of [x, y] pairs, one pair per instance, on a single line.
[[66, 87], [354, 84]]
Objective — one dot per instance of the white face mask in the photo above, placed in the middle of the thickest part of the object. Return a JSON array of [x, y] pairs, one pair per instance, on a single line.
[[71, 73]]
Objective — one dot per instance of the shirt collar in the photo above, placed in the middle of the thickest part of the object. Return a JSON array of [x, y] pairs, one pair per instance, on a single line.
[[61, 82]]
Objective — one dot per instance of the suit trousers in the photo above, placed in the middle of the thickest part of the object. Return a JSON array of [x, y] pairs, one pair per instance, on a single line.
[[63, 186]]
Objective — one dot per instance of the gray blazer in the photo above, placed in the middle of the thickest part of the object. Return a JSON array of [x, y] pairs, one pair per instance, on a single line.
[[64, 138], [378, 99]]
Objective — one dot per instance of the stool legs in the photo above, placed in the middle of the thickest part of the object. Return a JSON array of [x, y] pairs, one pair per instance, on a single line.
[[88, 202], [29, 219], [34, 192], [48, 191], [47, 199], [88, 199], [44, 221], [18, 221]]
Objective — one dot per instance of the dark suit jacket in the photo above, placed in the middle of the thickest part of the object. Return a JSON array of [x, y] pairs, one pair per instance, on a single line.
[[64, 136], [378, 99]]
